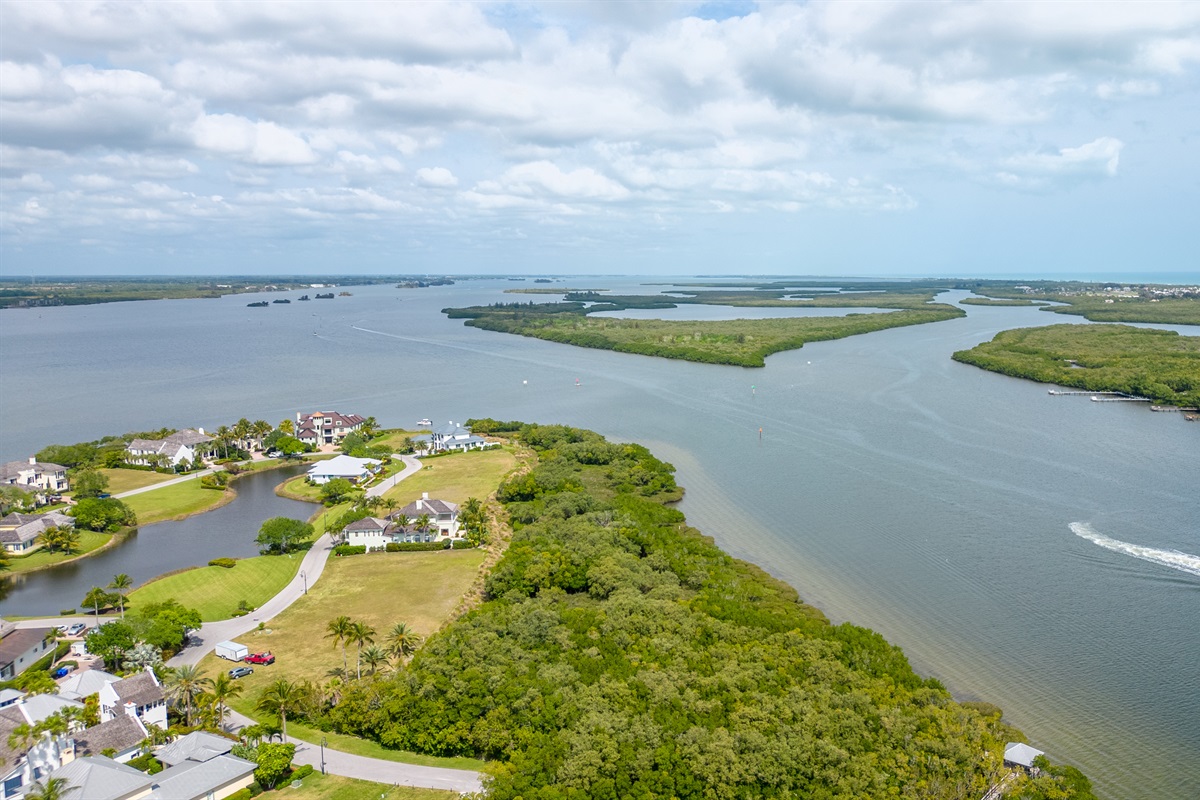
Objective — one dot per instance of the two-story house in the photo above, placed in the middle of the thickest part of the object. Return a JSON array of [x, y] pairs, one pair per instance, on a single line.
[[326, 427], [181, 446], [19, 532], [138, 696], [38, 477]]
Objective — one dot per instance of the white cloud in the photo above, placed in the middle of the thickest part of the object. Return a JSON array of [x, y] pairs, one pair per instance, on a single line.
[[436, 178], [260, 142], [1098, 157]]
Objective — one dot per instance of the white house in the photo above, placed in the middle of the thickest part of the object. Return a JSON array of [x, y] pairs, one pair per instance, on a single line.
[[24, 763], [138, 696], [355, 470], [40, 477], [443, 515], [21, 647], [180, 446], [449, 438], [19, 532], [371, 532], [86, 683]]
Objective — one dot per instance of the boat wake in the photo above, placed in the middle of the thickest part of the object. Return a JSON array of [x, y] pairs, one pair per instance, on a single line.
[[1184, 562]]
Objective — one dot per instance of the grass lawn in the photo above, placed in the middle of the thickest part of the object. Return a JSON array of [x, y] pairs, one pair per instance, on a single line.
[[124, 480], [421, 589], [457, 477], [88, 541], [335, 787], [215, 591], [176, 501], [298, 488], [394, 438]]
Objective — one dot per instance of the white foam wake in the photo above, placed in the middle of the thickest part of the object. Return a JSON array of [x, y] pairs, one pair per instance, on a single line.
[[1184, 562]]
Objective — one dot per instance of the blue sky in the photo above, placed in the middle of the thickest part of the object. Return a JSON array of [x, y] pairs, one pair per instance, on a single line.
[[599, 137]]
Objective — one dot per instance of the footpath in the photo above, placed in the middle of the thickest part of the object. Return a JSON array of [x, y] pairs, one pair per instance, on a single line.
[[335, 761]]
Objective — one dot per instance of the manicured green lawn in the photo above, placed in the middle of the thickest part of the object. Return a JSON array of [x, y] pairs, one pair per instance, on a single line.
[[335, 787], [177, 500], [124, 480], [298, 488], [215, 591], [88, 541], [421, 589], [394, 438], [457, 477]]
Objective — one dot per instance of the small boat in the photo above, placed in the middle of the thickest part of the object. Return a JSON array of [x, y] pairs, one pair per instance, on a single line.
[[343, 294], [425, 422], [259, 304], [325, 296], [302, 297], [281, 301]]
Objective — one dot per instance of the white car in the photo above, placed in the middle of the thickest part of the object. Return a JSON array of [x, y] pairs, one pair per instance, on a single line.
[[72, 630]]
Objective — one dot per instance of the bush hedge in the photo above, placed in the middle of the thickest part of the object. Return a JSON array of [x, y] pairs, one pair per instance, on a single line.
[[302, 771], [416, 547], [227, 563], [349, 549]]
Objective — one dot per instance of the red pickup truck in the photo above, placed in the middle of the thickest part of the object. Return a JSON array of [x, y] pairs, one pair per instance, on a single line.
[[259, 658]]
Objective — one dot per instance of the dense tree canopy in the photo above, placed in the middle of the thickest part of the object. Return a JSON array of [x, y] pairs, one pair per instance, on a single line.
[[282, 534], [107, 514]]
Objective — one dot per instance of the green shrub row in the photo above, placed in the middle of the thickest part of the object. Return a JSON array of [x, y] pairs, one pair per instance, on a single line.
[[227, 563]]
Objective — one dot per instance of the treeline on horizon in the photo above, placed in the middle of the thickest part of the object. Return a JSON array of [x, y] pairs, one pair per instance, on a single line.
[[1160, 365], [620, 654]]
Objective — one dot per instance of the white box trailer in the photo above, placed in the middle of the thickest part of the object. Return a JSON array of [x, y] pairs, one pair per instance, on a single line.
[[232, 651]]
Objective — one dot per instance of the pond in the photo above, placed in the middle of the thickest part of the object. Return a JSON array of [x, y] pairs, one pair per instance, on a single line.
[[163, 547]]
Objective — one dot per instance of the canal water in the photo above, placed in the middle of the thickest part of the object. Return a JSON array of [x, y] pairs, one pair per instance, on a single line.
[[1029, 550], [163, 547]]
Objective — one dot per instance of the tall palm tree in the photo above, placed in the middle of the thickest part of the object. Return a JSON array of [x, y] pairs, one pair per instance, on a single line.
[[185, 684], [261, 428], [339, 630], [96, 597], [402, 521], [223, 435], [279, 698], [241, 430], [287, 427], [22, 737], [402, 641], [373, 656], [423, 523], [361, 634], [120, 583], [52, 789], [390, 504], [223, 690]]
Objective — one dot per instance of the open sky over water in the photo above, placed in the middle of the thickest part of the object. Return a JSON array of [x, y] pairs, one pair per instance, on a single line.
[[567, 137]]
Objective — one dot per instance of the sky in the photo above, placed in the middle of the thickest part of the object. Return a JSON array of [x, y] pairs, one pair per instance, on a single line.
[[876, 138]]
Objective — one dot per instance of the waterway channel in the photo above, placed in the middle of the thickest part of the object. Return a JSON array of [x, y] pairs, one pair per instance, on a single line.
[[163, 547]]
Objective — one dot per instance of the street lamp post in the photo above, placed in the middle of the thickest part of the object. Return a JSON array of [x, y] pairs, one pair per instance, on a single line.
[[323, 740], [304, 578]]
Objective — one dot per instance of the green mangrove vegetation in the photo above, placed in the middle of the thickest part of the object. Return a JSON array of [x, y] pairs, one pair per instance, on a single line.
[[1099, 302], [739, 342], [619, 653], [1160, 365]]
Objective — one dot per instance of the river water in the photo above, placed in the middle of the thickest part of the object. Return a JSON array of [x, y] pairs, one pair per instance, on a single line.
[[1038, 552]]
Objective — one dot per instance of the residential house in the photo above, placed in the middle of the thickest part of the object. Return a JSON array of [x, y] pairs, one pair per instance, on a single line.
[[19, 532], [1019, 754], [326, 427], [450, 437], [101, 778], [139, 696], [371, 532], [85, 683], [181, 446], [10, 696], [40, 478], [355, 470], [21, 647], [32, 760], [122, 737], [443, 515]]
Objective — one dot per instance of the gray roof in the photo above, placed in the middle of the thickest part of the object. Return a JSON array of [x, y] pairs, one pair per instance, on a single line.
[[368, 524], [36, 707], [1019, 753], [195, 779], [196, 746], [85, 683], [120, 733], [141, 689], [100, 778], [450, 429], [10, 718], [431, 507], [19, 641], [171, 444], [11, 470], [23, 527]]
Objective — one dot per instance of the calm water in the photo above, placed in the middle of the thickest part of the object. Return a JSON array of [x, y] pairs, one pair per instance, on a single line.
[[154, 549], [1038, 552]]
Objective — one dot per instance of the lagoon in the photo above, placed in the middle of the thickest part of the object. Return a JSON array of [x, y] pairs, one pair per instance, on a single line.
[[954, 510]]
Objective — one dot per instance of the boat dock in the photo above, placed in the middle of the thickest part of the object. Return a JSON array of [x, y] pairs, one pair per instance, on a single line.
[[1089, 394], [1121, 399]]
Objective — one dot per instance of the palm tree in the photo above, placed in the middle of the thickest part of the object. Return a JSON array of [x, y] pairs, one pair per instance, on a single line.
[[287, 427], [223, 434], [184, 683], [261, 428], [390, 504], [402, 641], [241, 430], [339, 630], [22, 737], [423, 523], [121, 582], [224, 689], [373, 656], [52, 789], [56, 538], [361, 634], [402, 521], [279, 698], [96, 597]]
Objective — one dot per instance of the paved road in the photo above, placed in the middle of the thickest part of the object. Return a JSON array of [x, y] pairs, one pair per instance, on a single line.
[[189, 477], [411, 465], [375, 769]]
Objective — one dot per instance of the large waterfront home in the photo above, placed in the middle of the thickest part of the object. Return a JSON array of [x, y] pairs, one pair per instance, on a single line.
[[326, 427], [449, 438], [19, 532], [355, 470], [38, 477], [375, 533], [181, 446]]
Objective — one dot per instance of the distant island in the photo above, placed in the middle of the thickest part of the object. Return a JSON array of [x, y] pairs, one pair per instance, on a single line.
[[1155, 364]]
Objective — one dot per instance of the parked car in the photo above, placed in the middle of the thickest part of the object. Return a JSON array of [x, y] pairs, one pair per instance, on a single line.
[[76, 629], [259, 658], [274, 454], [240, 672]]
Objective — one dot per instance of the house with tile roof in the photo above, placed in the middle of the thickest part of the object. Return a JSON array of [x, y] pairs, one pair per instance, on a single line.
[[19, 532], [39, 477], [139, 695], [181, 446], [326, 427]]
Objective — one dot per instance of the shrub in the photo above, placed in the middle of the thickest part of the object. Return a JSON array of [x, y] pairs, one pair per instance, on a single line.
[[302, 771], [349, 549], [227, 563], [461, 544], [416, 547], [240, 794], [67, 612]]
